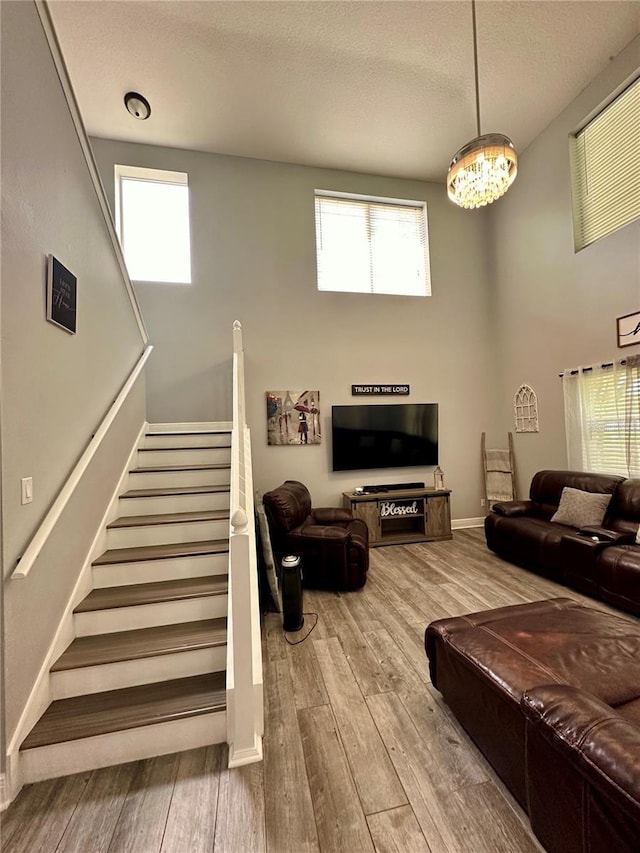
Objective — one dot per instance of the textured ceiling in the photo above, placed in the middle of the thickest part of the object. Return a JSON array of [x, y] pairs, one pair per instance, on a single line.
[[377, 87]]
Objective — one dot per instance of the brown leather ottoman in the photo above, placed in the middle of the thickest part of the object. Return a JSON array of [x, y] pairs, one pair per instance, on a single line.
[[484, 662]]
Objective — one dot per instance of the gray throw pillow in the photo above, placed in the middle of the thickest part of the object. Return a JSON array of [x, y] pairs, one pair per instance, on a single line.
[[581, 509]]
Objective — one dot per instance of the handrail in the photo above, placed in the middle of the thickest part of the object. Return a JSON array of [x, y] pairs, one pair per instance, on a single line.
[[245, 714], [37, 543]]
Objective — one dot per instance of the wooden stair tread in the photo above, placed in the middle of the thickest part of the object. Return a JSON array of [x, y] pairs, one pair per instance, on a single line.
[[168, 518], [128, 708], [142, 643], [210, 466], [175, 491], [152, 593], [173, 550]]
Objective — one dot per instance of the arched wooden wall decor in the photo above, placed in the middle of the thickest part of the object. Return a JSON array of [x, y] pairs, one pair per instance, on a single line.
[[525, 410]]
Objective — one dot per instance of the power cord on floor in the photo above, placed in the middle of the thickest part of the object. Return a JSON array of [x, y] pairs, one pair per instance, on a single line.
[[297, 642]]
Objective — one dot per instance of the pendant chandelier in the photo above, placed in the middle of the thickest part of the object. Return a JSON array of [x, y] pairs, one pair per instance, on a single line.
[[483, 169]]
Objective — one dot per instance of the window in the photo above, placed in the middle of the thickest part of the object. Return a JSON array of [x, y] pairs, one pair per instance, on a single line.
[[605, 169], [602, 416], [152, 219], [371, 245]]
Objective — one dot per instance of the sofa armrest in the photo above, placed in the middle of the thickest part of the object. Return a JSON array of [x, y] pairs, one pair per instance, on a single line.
[[589, 735], [513, 509], [606, 535], [320, 532], [331, 515]]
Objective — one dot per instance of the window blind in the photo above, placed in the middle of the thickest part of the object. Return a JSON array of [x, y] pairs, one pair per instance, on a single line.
[[605, 169], [371, 245], [602, 412]]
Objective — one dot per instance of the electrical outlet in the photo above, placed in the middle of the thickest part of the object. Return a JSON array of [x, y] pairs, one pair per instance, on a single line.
[[482, 502], [26, 490]]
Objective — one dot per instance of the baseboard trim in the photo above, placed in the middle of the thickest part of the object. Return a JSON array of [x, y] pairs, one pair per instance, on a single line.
[[461, 523], [41, 694]]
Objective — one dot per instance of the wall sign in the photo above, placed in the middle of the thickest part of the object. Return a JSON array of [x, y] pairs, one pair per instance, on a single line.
[[61, 296], [395, 509], [371, 390]]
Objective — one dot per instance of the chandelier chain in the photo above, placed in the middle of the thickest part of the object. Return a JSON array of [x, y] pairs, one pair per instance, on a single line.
[[475, 65]]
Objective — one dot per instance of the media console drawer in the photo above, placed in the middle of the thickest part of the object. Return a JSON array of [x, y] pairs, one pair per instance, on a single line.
[[398, 517]]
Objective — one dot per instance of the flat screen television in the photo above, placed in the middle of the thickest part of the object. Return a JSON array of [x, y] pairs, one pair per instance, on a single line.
[[397, 435]]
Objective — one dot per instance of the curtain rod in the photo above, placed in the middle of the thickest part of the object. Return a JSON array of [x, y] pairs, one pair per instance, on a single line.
[[587, 369]]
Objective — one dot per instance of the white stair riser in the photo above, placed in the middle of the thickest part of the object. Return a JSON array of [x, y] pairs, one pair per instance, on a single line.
[[129, 673], [148, 571], [205, 439], [167, 534], [173, 503], [149, 615], [162, 479], [183, 456], [78, 756], [189, 428]]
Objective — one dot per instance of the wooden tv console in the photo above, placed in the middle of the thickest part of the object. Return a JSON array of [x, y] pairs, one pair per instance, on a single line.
[[397, 517]]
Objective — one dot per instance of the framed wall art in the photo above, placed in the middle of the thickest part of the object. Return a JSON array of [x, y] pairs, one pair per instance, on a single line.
[[628, 329], [293, 417], [61, 296]]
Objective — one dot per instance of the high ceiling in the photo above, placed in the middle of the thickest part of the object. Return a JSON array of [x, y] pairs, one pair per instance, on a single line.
[[376, 87]]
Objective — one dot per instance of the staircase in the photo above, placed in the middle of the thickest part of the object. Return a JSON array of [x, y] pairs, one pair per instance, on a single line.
[[145, 674]]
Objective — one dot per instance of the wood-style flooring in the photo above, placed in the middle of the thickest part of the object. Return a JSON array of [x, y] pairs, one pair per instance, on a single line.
[[360, 752]]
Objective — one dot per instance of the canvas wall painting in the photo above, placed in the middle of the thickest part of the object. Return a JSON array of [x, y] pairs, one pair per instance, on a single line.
[[293, 417]]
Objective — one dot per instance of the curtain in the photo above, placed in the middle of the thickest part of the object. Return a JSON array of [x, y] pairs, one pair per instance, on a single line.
[[602, 417], [632, 415]]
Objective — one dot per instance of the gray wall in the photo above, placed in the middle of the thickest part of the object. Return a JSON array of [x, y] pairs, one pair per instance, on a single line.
[[56, 387], [253, 245], [555, 308]]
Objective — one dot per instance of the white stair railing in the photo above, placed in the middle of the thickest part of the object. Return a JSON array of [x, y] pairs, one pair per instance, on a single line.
[[245, 712]]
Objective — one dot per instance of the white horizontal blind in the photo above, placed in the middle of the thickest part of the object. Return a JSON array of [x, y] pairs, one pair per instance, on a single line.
[[371, 245], [602, 409], [605, 169]]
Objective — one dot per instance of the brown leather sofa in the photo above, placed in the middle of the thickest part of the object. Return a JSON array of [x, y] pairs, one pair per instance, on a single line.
[[332, 544], [550, 692], [601, 561]]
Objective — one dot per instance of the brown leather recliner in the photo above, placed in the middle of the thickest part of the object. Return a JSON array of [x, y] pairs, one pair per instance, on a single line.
[[332, 544]]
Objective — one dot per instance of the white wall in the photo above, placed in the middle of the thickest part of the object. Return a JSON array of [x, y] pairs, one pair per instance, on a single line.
[[56, 387], [254, 260], [554, 308]]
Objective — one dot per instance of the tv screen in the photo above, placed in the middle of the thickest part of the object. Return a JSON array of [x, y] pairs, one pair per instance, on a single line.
[[387, 436]]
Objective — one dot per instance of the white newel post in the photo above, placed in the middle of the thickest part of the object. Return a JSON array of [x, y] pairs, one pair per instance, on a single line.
[[245, 717]]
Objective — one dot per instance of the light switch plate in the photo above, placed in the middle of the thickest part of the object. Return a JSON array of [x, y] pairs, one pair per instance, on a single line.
[[26, 487]]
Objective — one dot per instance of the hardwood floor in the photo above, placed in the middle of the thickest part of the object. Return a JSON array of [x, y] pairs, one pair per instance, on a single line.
[[360, 752]]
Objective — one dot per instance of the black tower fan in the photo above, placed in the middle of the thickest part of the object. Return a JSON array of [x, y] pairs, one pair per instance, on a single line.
[[291, 588]]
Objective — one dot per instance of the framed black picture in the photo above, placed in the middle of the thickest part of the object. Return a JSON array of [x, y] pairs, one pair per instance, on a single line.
[[629, 329], [61, 296]]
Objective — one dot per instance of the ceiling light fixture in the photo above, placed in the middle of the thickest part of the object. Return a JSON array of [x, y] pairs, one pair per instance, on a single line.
[[138, 106], [483, 169]]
